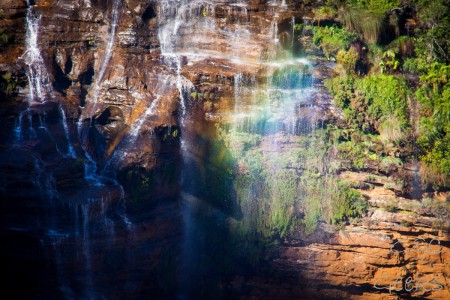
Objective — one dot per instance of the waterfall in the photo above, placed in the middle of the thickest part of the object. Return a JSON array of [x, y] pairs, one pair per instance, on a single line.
[[238, 82], [115, 14], [140, 121], [89, 284], [71, 149], [44, 181], [274, 29], [293, 34], [40, 88], [90, 164], [167, 35]]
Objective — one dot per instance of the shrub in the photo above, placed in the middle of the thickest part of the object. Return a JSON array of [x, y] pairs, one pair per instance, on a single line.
[[347, 59], [332, 39], [278, 193], [8, 83], [368, 102], [324, 13], [365, 23], [389, 62], [375, 5], [434, 125], [390, 130]]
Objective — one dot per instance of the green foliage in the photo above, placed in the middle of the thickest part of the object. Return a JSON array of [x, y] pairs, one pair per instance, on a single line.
[[197, 95], [239, 142], [389, 62], [368, 102], [437, 208], [324, 13], [4, 38], [434, 39], [298, 27], [332, 39], [8, 83], [287, 192], [366, 23], [207, 105], [347, 59], [403, 47], [380, 6], [434, 126], [347, 203], [330, 200]]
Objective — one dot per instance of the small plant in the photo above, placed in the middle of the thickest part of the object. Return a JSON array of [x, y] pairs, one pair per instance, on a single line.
[[8, 83], [389, 62], [390, 205], [347, 59], [207, 106], [4, 38], [324, 13], [332, 39]]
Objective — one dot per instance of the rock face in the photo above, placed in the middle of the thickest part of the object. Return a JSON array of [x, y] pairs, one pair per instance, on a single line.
[[394, 252], [138, 81]]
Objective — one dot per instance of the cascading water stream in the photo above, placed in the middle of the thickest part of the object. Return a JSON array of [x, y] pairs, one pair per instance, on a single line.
[[91, 215], [91, 165], [167, 35], [115, 14], [176, 19], [70, 147], [40, 88]]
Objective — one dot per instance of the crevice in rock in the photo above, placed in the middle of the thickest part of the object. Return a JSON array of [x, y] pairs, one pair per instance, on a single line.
[[149, 14], [83, 95], [61, 82], [86, 78], [68, 66]]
